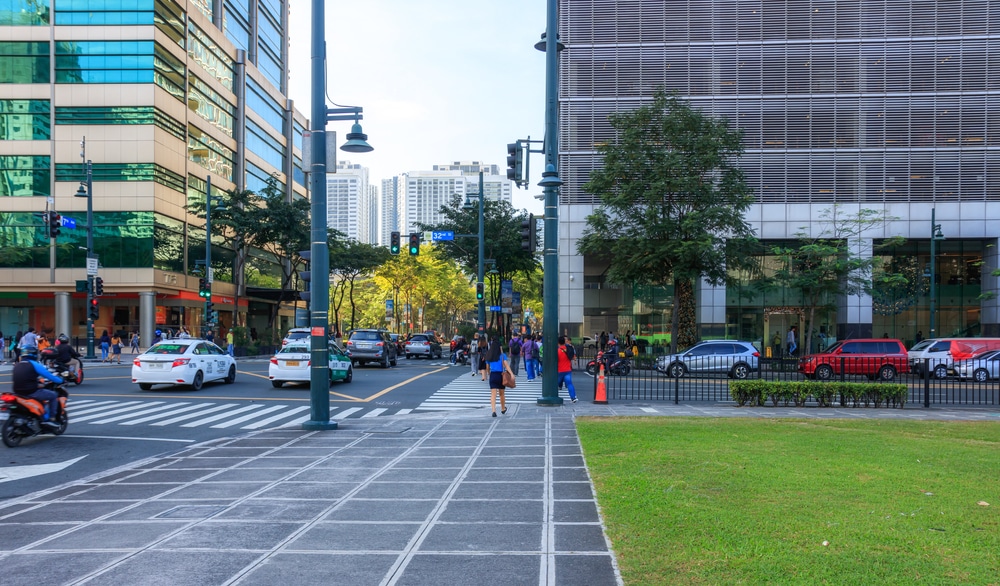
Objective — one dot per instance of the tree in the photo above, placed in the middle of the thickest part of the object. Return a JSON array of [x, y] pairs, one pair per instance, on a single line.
[[348, 261], [672, 203], [838, 259]]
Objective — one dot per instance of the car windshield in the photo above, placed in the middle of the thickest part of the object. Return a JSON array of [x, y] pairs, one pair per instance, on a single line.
[[365, 336], [922, 344], [168, 349], [294, 349], [297, 335], [419, 338]]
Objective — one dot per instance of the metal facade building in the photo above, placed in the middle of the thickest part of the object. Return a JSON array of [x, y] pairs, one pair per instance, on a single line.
[[888, 105]]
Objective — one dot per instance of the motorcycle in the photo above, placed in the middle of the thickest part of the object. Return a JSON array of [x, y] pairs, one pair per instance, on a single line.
[[22, 416], [613, 364], [462, 356], [72, 373]]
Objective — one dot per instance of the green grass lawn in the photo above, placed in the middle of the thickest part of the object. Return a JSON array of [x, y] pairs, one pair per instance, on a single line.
[[735, 501]]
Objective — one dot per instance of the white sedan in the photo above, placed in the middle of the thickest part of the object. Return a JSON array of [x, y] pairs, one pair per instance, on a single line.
[[183, 362], [292, 365]]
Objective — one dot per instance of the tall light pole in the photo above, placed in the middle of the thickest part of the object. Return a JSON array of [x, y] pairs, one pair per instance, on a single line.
[[550, 184], [319, 285], [208, 322], [935, 236], [87, 191]]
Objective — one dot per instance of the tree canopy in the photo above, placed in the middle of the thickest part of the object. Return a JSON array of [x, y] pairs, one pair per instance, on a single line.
[[672, 203]]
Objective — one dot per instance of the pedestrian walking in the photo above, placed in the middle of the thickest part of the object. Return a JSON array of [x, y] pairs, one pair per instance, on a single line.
[[529, 351], [229, 342], [116, 349], [474, 354], [566, 353], [134, 342], [515, 353], [790, 342], [15, 347], [105, 341], [496, 360]]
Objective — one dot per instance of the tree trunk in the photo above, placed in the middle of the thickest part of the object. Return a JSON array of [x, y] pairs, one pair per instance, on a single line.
[[675, 317]]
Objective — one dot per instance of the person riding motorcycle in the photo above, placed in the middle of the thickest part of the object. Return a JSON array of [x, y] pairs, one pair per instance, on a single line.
[[68, 358], [24, 378]]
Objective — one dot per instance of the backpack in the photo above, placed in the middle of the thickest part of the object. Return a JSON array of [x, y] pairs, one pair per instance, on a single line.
[[515, 349], [570, 351]]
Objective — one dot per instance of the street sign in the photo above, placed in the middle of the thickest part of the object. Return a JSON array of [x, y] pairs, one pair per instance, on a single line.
[[495, 308], [92, 266], [443, 235], [68, 222]]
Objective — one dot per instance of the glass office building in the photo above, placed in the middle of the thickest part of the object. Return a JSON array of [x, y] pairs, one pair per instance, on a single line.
[[887, 105], [166, 94]]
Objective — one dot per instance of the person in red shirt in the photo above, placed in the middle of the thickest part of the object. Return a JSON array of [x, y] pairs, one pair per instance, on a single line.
[[565, 368]]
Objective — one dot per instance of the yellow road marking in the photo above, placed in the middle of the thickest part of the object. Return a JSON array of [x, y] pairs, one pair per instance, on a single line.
[[405, 382]]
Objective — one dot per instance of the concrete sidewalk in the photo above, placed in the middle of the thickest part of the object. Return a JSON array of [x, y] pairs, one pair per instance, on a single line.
[[439, 498]]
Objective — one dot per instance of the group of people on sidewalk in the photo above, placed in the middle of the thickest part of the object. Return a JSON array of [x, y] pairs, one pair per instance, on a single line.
[[498, 357]]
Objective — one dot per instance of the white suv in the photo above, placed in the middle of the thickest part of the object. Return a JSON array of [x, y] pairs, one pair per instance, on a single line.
[[296, 334]]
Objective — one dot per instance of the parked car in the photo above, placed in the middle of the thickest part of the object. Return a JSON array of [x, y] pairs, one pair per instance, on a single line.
[[371, 346], [940, 354], [296, 334], [186, 361], [733, 357], [881, 358], [423, 345], [292, 365], [981, 368]]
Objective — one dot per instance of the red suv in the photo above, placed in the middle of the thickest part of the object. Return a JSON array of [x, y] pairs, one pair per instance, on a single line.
[[881, 358]]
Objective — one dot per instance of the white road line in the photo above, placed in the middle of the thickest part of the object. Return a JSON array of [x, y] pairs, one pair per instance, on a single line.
[[130, 415], [105, 413], [403, 411], [166, 414], [253, 415], [343, 414], [199, 414], [649, 410], [98, 406], [219, 416], [277, 417], [374, 413], [297, 421]]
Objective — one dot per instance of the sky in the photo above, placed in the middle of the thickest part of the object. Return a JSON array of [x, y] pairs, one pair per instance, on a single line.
[[439, 80]]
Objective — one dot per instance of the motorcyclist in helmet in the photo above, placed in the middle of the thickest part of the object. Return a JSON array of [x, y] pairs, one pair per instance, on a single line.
[[67, 358], [25, 382]]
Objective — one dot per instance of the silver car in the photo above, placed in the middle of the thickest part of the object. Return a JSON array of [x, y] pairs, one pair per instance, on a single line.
[[737, 359], [980, 368]]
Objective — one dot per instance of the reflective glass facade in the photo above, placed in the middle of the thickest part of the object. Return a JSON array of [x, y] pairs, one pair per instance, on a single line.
[[24, 120]]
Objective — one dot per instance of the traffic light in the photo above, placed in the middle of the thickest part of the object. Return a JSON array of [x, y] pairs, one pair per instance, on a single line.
[[208, 311], [94, 311], [515, 162], [414, 243], [480, 292], [306, 275], [204, 288], [528, 236], [394, 243], [55, 221], [98, 286]]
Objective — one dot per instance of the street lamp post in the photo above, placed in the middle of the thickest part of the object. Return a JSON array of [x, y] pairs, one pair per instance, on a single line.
[[87, 191], [550, 184], [480, 263], [319, 285], [935, 236], [208, 322]]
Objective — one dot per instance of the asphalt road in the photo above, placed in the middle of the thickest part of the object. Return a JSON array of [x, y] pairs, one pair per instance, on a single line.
[[113, 422]]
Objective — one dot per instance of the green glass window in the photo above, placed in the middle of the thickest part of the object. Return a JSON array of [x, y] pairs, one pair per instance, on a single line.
[[24, 176], [105, 116], [119, 62], [121, 240], [24, 240], [168, 244], [24, 62], [24, 13], [24, 120], [122, 172]]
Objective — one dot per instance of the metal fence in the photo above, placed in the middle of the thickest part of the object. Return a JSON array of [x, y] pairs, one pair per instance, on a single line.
[[709, 380]]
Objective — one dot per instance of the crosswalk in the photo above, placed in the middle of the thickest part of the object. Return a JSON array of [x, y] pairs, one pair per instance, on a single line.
[[207, 414], [469, 391]]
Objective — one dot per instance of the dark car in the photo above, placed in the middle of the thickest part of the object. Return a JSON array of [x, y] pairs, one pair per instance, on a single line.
[[371, 346], [423, 345]]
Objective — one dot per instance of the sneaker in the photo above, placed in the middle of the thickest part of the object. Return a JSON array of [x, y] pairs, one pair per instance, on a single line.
[[573, 400], [50, 425]]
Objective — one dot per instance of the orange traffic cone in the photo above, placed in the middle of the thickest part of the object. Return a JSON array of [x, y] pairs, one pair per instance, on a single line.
[[601, 394]]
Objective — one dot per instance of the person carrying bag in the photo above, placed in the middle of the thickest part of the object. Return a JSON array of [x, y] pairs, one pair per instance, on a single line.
[[499, 368]]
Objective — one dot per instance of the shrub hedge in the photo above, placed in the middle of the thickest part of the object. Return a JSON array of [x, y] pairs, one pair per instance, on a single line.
[[759, 392]]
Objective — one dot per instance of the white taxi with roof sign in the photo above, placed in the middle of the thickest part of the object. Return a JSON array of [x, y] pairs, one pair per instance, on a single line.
[[187, 361]]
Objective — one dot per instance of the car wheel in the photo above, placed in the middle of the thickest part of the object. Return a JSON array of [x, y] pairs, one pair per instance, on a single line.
[[887, 373], [824, 372], [350, 375], [277, 383], [740, 371], [199, 379], [981, 375], [231, 377], [393, 361], [408, 356], [676, 370], [940, 371], [385, 362], [145, 386]]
